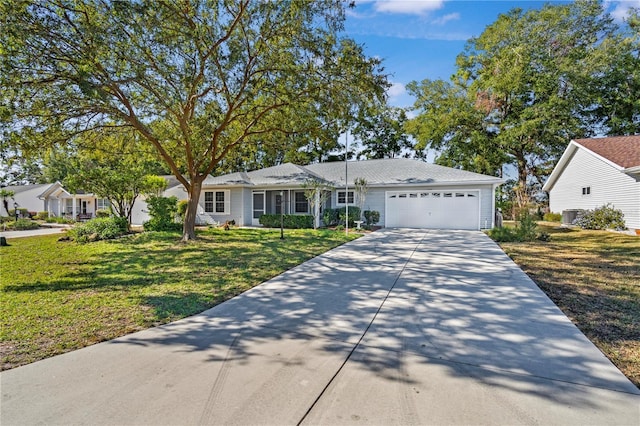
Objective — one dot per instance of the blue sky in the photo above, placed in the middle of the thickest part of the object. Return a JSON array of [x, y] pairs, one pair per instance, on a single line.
[[420, 39]]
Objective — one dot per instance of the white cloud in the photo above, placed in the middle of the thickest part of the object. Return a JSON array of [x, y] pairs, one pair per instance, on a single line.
[[620, 9], [396, 90], [410, 7], [446, 18]]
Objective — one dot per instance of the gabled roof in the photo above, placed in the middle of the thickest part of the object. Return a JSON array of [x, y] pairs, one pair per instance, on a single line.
[[387, 172], [53, 188], [17, 189], [620, 152]]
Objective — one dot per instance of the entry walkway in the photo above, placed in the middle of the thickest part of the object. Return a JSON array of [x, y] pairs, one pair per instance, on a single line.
[[397, 327]]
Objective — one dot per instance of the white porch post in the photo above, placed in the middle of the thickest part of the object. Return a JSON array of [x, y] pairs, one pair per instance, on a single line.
[[316, 213], [73, 208]]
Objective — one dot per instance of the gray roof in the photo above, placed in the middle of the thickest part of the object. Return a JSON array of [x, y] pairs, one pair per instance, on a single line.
[[387, 172], [22, 188]]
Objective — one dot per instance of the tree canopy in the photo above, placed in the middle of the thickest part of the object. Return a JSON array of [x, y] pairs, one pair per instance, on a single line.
[[199, 80], [527, 85]]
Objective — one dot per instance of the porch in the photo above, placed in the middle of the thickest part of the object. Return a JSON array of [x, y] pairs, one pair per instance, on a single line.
[[283, 201]]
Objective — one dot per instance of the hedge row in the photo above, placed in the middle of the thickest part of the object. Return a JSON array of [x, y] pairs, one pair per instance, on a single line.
[[291, 221]]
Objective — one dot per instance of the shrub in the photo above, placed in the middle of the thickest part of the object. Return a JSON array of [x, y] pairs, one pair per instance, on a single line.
[[182, 209], [354, 214], [526, 227], [163, 212], [41, 216], [291, 221], [526, 230], [102, 228], [55, 219], [605, 217], [103, 213], [330, 217], [372, 217], [22, 212], [552, 217], [24, 224], [503, 235]]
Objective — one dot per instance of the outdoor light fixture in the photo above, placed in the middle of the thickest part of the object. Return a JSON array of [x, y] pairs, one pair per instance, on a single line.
[[15, 209]]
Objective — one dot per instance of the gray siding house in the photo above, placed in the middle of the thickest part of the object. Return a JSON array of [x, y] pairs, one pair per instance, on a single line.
[[595, 172], [407, 193]]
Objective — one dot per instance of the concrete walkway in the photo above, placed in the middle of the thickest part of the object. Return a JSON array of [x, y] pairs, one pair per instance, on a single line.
[[398, 327], [33, 232]]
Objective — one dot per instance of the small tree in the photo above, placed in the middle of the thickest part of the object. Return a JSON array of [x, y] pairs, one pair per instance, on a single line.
[[316, 192], [361, 189]]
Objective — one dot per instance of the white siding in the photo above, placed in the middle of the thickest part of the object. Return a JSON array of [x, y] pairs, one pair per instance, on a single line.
[[28, 199], [235, 207], [608, 185], [140, 213]]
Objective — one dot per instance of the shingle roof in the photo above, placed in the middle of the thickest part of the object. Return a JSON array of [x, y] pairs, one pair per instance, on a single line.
[[397, 171], [621, 150], [22, 188]]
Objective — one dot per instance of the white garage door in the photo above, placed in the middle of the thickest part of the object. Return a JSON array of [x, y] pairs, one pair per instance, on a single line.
[[444, 209]]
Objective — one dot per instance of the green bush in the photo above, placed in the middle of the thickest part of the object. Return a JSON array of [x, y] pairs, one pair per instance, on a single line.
[[103, 213], [330, 217], [163, 212], [552, 217], [354, 214], [56, 219], [372, 217], [503, 235], [182, 208], [24, 224], [605, 217], [291, 221], [41, 216], [102, 228], [526, 230], [22, 212]]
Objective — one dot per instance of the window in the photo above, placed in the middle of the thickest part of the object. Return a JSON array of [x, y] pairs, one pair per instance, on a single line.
[[302, 205], [208, 202], [220, 202], [341, 197], [436, 194], [217, 202], [413, 195], [586, 190], [459, 194], [448, 195], [102, 204]]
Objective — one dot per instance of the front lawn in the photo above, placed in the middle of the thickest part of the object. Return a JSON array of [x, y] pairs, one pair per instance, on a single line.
[[594, 277], [61, 296]]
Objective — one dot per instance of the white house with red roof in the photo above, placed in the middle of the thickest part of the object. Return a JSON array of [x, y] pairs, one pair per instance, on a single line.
[[595, 172]]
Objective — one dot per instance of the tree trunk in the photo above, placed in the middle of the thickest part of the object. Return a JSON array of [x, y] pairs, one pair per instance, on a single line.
[[189, 228]]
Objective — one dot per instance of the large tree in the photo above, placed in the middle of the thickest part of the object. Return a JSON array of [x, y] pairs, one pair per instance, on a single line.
[[197, 79], [526, 86], [381, 132]]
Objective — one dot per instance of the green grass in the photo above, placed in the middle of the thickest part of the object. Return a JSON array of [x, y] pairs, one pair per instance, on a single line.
[[594, 277], [61, 296]]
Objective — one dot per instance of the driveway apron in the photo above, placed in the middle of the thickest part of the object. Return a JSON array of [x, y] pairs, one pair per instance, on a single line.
[[397, 327]]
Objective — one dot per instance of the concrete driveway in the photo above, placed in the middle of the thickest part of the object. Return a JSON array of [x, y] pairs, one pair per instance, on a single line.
[[398, 327]]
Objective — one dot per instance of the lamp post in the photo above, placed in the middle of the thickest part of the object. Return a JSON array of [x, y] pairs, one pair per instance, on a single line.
[[282, 215], [15, 209]]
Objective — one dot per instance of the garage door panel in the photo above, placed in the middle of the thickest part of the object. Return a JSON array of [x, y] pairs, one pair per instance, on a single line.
[[446, 209]]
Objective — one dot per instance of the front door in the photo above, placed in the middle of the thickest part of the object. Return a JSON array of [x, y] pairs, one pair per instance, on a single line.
[[258, 207]]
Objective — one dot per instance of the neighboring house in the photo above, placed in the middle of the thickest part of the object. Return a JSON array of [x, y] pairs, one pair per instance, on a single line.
[[59, 202], [407, 193], [595, 172], [26, 197]]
